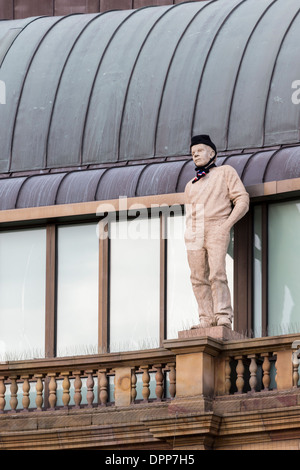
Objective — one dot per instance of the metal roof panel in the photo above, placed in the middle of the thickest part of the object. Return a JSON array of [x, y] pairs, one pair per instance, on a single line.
[[134, 85]]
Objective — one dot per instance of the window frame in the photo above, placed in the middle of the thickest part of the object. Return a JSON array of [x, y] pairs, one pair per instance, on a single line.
[[21, 227], [265, 204], [83, 217]]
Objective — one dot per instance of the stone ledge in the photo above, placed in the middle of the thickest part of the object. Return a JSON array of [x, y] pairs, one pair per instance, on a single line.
[[222, 333]]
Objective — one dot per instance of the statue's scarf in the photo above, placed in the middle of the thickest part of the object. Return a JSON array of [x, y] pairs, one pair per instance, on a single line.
[[203, 170]]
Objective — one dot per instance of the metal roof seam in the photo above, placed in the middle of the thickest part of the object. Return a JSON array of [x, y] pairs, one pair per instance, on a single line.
[[95, 78], [97, 186], [11, 44], [58, 188], [169, 66], [132, 72], [94, 81], [273, 71], [268, 164], [20, 189], [239, 68], [22, 88], [206, 60], [59, 82], [139, 178], [247, 163], [180, 173]]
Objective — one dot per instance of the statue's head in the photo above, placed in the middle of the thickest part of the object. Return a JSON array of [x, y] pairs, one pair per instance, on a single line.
[[203, 150]]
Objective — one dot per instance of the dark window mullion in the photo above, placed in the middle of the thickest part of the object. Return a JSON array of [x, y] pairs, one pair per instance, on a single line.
[[264, 269], [50, 320], [163, 278], [103, 302]]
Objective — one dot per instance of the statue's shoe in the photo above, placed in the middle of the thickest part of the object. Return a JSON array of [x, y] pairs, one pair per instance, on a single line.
[[203, 324], [222, 320]]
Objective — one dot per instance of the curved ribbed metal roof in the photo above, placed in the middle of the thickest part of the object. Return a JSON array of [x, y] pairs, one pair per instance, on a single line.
[[139, 179], [133, 85]]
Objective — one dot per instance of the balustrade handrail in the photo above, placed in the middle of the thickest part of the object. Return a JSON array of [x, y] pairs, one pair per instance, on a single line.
[[143, 357], [261, 345], [111, 360], [44, 376], [243, 346]]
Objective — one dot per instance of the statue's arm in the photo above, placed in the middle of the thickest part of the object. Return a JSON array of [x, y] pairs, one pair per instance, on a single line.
[[238, 196]]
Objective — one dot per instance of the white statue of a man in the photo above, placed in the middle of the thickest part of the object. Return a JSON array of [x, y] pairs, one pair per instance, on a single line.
[[215, 200]]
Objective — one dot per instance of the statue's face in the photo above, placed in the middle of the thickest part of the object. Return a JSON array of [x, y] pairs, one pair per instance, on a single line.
[[201, 154]]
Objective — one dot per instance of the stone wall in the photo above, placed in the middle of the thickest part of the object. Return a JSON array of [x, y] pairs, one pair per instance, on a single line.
[[16, 9]]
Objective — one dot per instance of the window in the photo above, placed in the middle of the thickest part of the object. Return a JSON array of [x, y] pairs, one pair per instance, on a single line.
[[182, 309], [22, 294], [134, 284], [181, 303], [276, 246], [77, 290], [283, 268]]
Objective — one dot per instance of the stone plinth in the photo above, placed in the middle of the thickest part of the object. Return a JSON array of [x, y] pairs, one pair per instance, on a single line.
[[218, 332]]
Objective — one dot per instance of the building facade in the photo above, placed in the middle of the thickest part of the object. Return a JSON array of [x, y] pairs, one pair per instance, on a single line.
[[97, 111]]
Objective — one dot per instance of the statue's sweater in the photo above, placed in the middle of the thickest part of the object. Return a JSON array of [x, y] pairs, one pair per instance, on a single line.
[[217, 198]]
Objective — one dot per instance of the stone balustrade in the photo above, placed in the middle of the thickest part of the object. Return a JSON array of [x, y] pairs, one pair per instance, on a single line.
[[188, 367], [211, 367], [43, 385]]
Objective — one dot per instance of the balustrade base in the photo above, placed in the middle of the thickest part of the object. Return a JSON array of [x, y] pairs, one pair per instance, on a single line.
[[222, 333], [271, 420]]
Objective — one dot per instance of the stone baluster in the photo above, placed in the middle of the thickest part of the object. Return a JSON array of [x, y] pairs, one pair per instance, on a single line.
[[103, 387], [253, 372], [159, 378], [172, 379], [133, 384], [26, 390], [2, 394], [90, 388], [240, 374], [77, 388], [66, 389], [266, 371], [146, 383], [227, 376], [13, 393], [114, 389], [39, 391], [52, 390]]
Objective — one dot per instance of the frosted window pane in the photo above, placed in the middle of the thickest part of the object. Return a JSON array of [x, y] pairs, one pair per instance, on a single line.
[[77, 290], [284, 258], [257, 273], [135, 284], [22, 294], [182, 309], [230, 268]]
